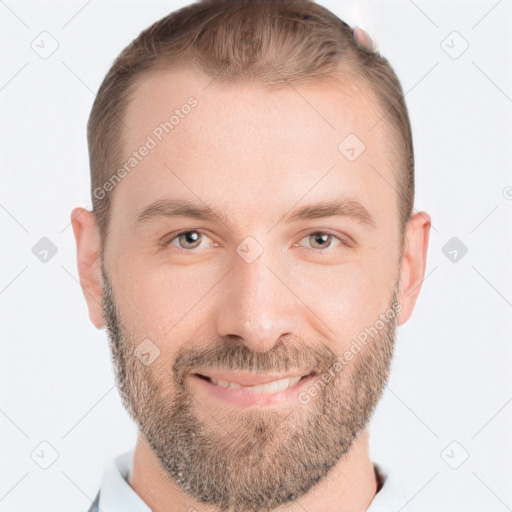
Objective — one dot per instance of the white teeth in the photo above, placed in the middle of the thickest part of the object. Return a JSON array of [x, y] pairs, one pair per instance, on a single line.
[[226, 384], [275, 386]]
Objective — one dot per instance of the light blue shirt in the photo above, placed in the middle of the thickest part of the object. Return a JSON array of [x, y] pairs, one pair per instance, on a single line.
[[116, 495]]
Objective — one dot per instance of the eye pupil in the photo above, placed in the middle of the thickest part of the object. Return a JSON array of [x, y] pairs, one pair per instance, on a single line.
[[189, 237], [321, 237]]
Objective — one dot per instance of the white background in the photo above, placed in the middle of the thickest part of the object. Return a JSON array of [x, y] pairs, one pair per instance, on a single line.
[[451, 378]]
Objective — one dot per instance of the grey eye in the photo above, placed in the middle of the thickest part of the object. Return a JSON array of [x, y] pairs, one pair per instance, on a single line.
[[188, 239], [320, 240]]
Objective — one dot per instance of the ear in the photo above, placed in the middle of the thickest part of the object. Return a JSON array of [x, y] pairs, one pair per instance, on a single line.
[[87, 236], [413, 263]]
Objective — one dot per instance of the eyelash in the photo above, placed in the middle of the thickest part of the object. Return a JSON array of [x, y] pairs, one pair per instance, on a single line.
[[318, 232]]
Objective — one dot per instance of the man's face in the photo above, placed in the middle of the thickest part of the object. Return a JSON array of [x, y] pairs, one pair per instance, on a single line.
[[254, 291]]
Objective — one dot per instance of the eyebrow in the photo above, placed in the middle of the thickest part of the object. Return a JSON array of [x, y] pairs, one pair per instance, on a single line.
[[172, 208], [336, 207]]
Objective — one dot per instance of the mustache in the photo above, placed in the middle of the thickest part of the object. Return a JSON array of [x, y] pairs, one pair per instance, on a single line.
[[230, 353]]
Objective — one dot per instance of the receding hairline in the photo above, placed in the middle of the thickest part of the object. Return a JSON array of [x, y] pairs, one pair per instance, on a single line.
[[298, 38], [344, 82]]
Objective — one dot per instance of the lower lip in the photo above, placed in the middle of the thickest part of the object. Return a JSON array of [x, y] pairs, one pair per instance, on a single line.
[[245, 397]]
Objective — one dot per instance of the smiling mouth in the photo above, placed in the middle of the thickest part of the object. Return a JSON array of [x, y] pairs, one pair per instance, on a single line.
[[270, 387]]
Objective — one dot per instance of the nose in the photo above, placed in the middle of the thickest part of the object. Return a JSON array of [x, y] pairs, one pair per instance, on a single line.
[[257, 305]]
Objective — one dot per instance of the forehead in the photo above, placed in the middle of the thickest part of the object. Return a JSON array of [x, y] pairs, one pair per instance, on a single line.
[[236, 146]]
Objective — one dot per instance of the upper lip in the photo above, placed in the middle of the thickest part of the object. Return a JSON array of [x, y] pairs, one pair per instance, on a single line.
[[249, 378]]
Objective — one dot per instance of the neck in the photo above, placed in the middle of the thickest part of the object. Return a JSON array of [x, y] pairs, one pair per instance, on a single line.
[[349, 486]]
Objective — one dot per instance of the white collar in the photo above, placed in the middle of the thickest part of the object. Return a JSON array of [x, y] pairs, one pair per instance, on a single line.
[[116, 495]]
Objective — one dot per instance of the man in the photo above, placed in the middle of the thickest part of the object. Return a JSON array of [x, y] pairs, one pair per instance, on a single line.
[[251, 250]]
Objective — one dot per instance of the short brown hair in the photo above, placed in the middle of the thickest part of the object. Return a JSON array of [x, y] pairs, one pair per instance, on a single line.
[[268, 42]]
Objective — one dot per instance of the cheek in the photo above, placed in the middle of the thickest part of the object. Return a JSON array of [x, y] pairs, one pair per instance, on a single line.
[[161, 302], [350, 297]]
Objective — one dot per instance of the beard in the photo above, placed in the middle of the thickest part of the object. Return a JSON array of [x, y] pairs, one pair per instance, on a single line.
[[250, 459]]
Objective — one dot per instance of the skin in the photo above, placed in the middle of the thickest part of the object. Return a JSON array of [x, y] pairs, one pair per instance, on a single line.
[[254, 155]]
